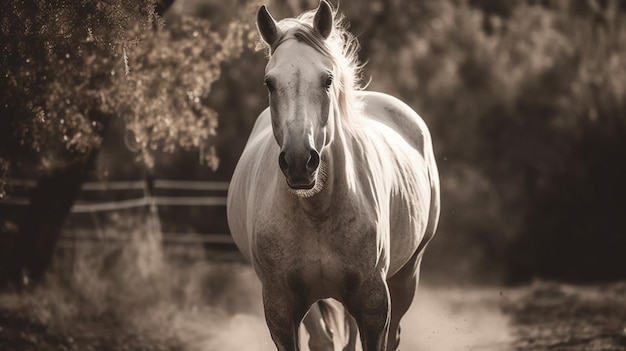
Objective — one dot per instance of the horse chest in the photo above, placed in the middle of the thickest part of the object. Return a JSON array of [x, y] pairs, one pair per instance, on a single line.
[[323, 255]]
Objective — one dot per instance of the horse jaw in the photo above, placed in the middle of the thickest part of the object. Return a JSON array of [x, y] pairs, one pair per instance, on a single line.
[[322, 176]]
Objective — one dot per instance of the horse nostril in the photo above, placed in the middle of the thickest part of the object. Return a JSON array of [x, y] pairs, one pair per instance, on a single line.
[[282, 162], [313, 162]]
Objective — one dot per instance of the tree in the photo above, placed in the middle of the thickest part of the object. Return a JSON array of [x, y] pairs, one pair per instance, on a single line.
[[71, 66]]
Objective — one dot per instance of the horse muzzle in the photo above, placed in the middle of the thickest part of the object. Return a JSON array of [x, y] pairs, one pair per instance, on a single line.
[[300, 168]]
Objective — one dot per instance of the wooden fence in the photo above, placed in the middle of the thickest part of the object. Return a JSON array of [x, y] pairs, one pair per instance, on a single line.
[[82, 206]]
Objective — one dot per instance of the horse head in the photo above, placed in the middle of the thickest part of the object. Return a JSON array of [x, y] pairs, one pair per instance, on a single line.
[[299, 78]]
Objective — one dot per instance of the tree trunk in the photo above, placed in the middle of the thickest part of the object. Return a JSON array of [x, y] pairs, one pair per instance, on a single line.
[[42, 223]]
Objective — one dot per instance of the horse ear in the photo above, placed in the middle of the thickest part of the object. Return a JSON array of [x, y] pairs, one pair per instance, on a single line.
[[266, 26], [323, 20]]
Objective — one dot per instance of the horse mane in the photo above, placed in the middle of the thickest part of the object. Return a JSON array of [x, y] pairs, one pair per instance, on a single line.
[[341, 47]]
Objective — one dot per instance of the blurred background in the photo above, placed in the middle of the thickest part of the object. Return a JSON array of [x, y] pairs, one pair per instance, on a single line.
[[526, 101]]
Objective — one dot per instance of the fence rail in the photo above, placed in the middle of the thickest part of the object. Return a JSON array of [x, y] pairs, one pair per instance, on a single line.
[[135, 184], [169, 238], [190, 185], [83, 207], [146, 200]]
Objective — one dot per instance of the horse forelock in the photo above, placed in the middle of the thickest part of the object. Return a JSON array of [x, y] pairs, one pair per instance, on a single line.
[[341, 47]]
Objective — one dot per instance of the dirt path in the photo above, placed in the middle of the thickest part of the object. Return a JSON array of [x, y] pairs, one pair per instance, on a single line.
[[538, 317], [542, 316], [458, 319]]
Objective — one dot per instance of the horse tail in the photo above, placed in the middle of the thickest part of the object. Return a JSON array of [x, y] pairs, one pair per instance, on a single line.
[[331, 328]]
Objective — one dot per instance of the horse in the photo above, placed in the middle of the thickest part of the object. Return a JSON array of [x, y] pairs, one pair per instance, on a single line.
[[335, 195]]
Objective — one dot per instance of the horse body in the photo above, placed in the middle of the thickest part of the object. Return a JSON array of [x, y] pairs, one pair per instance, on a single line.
[[357, 235], [324, 245], [392, 143]]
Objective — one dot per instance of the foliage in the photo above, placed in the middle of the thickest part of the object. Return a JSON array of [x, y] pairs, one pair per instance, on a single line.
[[56, 59], [559, 140], [163, 98], [532, 106], [70, 66]]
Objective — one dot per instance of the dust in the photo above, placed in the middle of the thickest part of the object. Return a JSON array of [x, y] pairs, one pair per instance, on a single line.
[[454, 319], [231, 320], [441, 319], [126, 287]]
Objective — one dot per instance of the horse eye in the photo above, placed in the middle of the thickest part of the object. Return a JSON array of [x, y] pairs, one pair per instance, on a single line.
[[329, 81], [269, 83]]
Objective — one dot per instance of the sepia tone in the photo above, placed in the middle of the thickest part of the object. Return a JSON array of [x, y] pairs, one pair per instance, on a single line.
[[121, 124]]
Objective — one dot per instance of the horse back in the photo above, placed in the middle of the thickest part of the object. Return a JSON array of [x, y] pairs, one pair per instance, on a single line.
[[398, 116]]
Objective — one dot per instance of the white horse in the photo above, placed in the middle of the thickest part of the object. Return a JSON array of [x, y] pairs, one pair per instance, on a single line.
[[341, 221]]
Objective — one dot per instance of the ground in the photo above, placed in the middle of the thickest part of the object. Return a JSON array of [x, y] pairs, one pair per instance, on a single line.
[[565, 317], [540, 316], [19, 333]]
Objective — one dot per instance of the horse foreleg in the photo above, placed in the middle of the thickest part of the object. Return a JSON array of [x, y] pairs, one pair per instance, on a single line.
[[283, 314], [370, 307]]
